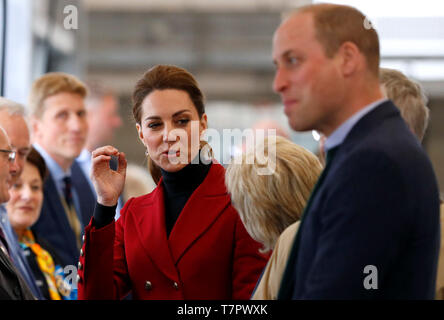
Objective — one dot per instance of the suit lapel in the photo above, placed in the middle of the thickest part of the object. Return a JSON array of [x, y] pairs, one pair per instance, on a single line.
[[202, 208], [370, 122], [150, 224]]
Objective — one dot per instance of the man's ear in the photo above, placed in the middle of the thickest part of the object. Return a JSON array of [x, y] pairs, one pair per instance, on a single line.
[[35, 125], [351, 58]]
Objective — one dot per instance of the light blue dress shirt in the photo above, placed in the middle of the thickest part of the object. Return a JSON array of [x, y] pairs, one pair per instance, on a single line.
[[338, 136]]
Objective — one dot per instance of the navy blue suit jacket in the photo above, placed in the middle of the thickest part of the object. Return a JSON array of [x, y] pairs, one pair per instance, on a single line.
[[53, 224], [378, 206]]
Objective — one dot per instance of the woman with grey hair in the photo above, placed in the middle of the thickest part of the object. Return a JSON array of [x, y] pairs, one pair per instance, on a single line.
[[273, 202]]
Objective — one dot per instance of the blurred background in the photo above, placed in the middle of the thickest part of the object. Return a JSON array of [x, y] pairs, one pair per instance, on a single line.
[[226, 44]]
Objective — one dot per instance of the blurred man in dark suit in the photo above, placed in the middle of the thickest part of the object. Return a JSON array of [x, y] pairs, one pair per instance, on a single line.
[[59, 134], [368, 231]]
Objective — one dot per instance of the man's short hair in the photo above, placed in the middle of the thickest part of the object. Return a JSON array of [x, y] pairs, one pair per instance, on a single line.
[[12, 107], [409, 97], [337, 24], [51, 84], [267, 204], [96, 92]]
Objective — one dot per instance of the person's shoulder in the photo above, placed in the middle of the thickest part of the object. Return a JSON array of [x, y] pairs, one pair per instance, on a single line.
[[143, 199], [291, 230], [133, 206], [288, 235]]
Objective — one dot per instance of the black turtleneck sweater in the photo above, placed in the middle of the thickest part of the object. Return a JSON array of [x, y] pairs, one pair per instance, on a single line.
[[178, 188]]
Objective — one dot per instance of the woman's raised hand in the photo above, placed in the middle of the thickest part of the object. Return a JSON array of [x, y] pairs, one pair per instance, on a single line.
[[107, 182]]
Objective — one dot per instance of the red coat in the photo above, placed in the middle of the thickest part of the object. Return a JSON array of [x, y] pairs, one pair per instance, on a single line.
[[208, 255]]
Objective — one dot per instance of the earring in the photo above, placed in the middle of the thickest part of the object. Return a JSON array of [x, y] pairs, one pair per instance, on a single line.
[[146, 153]]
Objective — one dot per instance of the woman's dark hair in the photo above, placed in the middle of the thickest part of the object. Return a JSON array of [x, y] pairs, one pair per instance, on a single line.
[[162, 77], [36, 160]]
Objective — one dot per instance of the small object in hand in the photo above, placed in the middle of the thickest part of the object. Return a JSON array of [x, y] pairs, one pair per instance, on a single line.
[[114, 162]]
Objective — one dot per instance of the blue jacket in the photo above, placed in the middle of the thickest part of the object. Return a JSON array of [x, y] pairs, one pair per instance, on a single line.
[[378, 206], [53, 224]]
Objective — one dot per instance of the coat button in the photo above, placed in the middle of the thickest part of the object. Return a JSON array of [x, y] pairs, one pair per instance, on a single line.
[[78, 279], [81, 252], [83, 238], [148, 285], [175, 285], [79, 266]]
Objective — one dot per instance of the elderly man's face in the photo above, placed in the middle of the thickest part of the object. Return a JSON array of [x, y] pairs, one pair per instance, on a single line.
[[306, 79], [5, 167], [18, 134]]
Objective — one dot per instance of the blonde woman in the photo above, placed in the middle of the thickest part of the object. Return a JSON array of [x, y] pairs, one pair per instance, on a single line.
[[270, 203]]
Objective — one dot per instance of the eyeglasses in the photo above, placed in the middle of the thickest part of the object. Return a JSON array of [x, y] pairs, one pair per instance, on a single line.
[[11, 154]]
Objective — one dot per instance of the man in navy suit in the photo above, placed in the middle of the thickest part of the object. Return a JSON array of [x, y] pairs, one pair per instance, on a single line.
[[59, 131], [371, 227]]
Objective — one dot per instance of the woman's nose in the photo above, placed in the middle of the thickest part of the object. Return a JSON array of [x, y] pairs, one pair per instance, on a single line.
[[26, 193], [170, 134]]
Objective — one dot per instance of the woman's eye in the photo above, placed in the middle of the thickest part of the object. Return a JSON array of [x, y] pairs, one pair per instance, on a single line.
[[35, 188], [183, 121], [23, 153], [153, 125]]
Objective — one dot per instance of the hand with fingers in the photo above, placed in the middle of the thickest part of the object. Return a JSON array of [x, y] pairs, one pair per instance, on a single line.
[[107, 182]]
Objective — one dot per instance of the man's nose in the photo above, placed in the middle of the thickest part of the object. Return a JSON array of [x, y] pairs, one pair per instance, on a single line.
[[280, 80], [77, 123], [13, 167]]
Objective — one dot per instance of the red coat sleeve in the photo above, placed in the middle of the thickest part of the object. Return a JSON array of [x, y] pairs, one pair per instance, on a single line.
[[101, 249], [248, 263]]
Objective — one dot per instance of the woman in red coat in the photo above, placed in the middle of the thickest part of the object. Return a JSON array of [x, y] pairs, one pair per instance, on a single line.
[[182, 241]]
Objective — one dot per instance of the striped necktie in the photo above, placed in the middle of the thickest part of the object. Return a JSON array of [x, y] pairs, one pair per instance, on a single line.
[[289, 277]]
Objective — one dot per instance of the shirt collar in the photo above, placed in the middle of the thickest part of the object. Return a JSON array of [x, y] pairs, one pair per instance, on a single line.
[[56, 171], [338, 136], [85, 156]]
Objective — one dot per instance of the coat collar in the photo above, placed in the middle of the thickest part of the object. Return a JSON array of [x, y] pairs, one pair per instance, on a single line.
[[370, 121], [202, 208]]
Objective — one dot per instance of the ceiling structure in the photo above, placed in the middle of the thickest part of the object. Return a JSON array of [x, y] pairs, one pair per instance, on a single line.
[[227, 43]]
